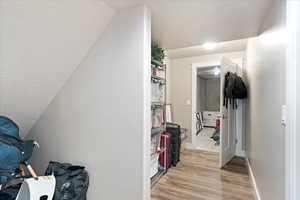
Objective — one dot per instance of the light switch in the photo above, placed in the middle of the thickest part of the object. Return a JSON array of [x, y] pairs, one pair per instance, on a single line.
[[283, 115], [188, 102]]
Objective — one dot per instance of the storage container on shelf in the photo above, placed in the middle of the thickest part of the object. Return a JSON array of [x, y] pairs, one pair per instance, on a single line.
[[157, 117], [158, 72], [154, 165], [157, 91], [155, 143]]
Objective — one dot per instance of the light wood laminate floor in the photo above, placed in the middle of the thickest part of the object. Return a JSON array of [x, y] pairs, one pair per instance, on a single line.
[[197, 177]]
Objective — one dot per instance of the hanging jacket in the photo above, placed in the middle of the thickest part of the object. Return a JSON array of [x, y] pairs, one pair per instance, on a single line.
[[234, 88]]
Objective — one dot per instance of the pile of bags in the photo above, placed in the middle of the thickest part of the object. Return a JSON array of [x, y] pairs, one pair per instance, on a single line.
[[72, 183]]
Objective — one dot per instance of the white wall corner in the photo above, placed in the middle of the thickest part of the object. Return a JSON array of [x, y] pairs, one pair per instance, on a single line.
[[253, 181], [147, 103]]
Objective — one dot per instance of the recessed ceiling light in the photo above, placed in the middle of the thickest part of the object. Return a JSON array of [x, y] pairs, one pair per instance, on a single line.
[[209, 45], [217, 72]]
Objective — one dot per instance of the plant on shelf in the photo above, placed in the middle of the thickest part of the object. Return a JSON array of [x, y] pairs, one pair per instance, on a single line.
[[157, 52]]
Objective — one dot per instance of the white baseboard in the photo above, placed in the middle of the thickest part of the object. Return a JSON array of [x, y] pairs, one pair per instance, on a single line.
[[253, 181]]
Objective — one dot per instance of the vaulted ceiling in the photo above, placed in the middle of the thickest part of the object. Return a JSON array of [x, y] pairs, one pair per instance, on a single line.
[[184, 23]]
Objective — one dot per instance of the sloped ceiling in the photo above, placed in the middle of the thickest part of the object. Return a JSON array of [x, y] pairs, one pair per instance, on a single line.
[[184, 23], [41, 44]]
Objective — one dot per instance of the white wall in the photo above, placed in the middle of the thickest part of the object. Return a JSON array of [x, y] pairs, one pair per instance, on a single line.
[[266, 69], [99, 118], [293, 103], [41, 43], [208, 94], [213, 95], [201, 94]]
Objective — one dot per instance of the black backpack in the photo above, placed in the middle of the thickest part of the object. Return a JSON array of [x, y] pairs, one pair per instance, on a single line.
[[234, 88]]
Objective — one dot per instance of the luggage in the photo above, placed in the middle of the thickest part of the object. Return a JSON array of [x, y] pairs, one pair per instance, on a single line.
[[72, 182], [165, 158], [175, 133]]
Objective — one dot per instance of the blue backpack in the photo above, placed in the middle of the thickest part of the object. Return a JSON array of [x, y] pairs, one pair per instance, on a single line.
[[11, 148]]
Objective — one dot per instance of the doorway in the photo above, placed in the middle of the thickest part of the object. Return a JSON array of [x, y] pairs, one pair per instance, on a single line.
[[208, 109], [219, 125]]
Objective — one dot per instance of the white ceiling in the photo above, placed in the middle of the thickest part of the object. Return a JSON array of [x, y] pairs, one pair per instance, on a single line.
[[184, 23], [221, 47]]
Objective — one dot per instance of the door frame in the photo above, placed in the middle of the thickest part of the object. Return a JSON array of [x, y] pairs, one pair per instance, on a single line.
[[292, 106], [195, 67], [240, 150]]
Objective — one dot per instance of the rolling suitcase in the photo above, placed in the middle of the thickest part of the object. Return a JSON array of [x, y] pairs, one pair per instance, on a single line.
[[175, 133], [165, 158]]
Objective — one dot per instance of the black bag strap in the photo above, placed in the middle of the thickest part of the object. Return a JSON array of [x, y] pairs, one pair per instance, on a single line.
[[10, 140]]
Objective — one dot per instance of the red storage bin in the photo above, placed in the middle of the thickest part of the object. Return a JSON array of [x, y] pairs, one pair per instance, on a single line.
[[218, 123]]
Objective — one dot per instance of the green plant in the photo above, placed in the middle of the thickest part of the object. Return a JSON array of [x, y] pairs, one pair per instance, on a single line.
[[157, 52]]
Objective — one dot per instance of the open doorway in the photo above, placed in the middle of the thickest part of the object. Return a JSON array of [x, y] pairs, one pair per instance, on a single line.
[[208, 109], [214, 126]]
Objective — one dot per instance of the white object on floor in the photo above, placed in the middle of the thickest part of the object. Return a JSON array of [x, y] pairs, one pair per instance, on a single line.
[[41, 189], [210, 117], [204, 142]]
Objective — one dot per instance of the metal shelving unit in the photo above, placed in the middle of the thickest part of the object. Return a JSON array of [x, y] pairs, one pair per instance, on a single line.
[[159, 104], [155, 131]]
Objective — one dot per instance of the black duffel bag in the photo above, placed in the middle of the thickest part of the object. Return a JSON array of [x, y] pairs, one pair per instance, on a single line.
[[10, 193], [72, 182]]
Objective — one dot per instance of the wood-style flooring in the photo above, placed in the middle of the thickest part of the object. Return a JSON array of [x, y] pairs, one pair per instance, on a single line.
[[198, 177]]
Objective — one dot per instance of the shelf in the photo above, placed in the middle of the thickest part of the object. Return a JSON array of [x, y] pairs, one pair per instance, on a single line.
[[157, 63], [158, 68], [157, 104], [158, 78], [155, 131]]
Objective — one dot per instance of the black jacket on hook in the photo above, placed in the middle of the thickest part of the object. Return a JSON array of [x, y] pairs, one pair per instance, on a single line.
[[234, 88]]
